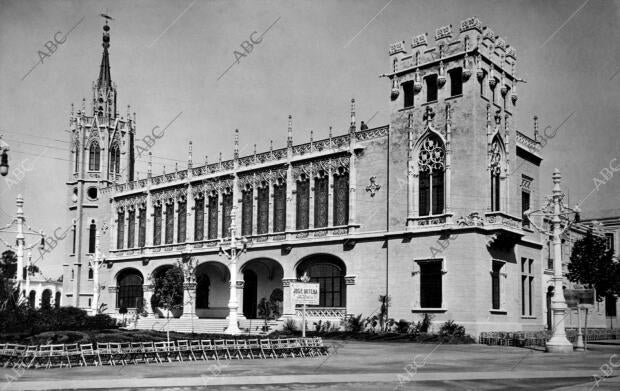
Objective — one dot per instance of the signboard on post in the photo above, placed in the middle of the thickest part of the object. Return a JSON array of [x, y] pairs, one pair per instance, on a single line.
[[305, 293], [575, 297]]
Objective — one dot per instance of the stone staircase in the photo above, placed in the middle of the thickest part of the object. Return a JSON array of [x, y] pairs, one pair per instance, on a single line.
[[215, 326]]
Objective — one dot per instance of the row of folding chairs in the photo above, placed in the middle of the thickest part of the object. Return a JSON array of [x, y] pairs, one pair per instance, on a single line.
[[125, 353]]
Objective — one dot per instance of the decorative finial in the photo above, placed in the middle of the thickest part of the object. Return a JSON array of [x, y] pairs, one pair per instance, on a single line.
[[206, 160], [164, 169], [236, 148], [128, 112], [311, 136], [189, 155], [352, 128], [330, 132], [428, 115], [176, 167], [289, 141], [254, 149], [149, 172], [72, 109], [270, 145], [536, 134]]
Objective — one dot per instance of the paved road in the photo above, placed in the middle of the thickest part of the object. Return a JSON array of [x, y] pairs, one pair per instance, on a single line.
[[354, 366]]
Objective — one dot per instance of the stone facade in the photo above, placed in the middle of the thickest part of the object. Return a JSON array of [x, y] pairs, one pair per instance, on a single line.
[[427, 209]]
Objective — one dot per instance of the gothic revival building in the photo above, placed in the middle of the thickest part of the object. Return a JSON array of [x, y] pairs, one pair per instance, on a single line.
[[427, 209]]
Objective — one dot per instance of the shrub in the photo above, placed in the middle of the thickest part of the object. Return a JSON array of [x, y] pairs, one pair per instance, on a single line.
[[354, 324], [425, 325], [289, 326], [451, 329], [30, 321], [402, 326]]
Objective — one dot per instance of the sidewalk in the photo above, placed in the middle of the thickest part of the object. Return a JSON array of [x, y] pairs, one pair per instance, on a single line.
[[354, 365]]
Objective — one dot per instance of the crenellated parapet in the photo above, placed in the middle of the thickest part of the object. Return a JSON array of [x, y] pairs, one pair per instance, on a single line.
[[471, 43]]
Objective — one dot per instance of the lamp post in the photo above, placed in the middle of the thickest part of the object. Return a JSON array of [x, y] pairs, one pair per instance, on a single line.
[[4, 157], [561, 219], [95, 262], [232, 250], [20, 241]]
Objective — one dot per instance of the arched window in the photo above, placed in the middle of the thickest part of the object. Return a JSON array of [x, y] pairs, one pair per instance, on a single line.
[[115, 159], [129, 286], [131, 228], [157, 210], [320, 200], [303, 202], [212, 229], [182, 221], [77, 158], [247, 209], [169, 222], [94, 157], [262, 213], [57, 300], [431, 164], [227, 204], [142, 226], [120, 230], [329, 272], [279, 207], [199, 218], [341, 197], [496, 168], [92, 237]]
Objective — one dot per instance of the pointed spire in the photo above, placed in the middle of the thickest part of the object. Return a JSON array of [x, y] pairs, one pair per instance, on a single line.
[[149, 171], [236, 148], [206, 160], [104, 79], [72, 108], [536, 134], [176, 167], [289, 141], [352, 128], [164, 169], [189, 155]]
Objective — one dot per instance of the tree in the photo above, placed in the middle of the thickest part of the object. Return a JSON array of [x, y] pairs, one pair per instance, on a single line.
[[591, 264], [267, 310], [8, 265], [168, 292]]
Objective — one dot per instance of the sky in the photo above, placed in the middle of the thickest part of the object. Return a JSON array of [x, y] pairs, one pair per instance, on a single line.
[[172, 59]]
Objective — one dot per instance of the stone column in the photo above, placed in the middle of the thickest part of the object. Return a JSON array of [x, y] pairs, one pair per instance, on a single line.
[[148, 291], [189, 300], [288, 306], [352, 190], [240, 284]]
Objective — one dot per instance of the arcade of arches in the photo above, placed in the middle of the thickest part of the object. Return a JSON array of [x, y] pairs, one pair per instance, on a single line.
[[258, 278]]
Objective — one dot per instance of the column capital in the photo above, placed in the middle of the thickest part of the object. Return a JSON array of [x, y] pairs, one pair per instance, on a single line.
[[286, 282]]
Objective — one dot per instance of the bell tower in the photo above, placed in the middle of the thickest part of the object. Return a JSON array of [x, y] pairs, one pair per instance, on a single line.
[[101, 154]]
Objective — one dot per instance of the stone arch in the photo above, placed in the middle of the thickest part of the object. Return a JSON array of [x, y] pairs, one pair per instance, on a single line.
[[57, 298], [261, 276], [329, 271], [212, 289], [129, 284]]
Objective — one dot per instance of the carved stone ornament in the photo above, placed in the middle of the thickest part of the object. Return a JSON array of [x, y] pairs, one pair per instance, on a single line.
[[374, 187]]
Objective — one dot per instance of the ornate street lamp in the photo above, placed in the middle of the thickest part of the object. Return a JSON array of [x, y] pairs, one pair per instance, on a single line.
[[232, 249], [561, 217], [4, 158], [95, 262]]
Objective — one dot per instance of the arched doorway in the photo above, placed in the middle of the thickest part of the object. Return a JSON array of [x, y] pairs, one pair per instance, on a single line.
[[329, 271], [167, 278], [262, 276], [46, 299], [549, 314], [31, 299], [129, 288], [212, 290], [57, 300], [249, 294]]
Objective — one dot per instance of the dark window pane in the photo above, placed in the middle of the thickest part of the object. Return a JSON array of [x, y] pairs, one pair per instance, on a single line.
[[213, 217], [279, 208], [227, 203], [263, 210], [438, 192], [431, 88], [131, 229], [92, 238], [129, 290], [169, 223], [456, 81], [525, 205], [142, 228], [157, 221], [303, 204], [247, 209], [182, 222], [408, 93], [320, 202], [341, 199], [120, 232], [424, 194], [430, 285], [199, 218]]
